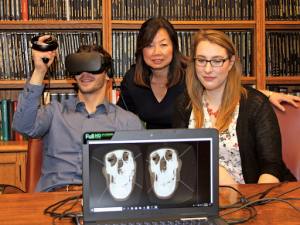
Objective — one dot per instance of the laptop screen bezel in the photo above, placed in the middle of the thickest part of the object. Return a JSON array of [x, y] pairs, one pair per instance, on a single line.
[[173, 134]]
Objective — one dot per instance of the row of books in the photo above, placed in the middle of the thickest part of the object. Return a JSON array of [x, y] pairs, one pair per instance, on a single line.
[[282, 54], [282, 9], [16, 61], [50, 10], [285, 90], [60, 97], [124, 46], [7, 110], [182, 9]]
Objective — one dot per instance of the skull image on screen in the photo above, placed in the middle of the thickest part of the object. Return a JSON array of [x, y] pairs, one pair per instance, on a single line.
[[164, 168], [120, 173]]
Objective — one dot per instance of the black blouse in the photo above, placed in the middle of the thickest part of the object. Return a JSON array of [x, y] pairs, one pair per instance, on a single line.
[[140, 100]]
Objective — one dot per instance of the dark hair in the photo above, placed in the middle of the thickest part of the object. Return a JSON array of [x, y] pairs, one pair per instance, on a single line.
[[146, 35], [93, 48]]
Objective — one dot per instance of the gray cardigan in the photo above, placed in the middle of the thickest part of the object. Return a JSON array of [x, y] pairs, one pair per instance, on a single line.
[[258, 134]]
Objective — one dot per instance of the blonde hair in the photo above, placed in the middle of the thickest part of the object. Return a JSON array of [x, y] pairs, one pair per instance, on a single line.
[[233, 87]]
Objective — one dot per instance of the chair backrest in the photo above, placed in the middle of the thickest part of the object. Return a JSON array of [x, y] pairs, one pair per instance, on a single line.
[[289, 122], [34, 163]]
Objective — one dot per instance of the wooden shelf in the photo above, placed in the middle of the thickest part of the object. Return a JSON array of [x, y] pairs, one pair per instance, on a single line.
[[245, 80], [13, 146], [259, 26], [19, 84], [51, 25], [190, 25], [283, 80], [282, 25]]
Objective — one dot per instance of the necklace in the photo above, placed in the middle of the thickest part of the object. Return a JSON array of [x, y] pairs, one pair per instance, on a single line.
[[157, 83], [211, 112]]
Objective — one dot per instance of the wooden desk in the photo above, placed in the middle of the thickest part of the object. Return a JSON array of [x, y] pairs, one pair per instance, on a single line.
[[28, 208], [275, 212]]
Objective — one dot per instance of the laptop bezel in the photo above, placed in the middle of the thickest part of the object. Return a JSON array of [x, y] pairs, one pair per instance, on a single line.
[[154, 214]]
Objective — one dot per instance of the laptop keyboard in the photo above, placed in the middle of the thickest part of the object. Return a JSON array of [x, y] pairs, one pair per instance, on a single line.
[[166, 222]]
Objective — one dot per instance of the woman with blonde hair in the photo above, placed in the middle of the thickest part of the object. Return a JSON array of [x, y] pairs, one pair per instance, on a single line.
[[250, 140]]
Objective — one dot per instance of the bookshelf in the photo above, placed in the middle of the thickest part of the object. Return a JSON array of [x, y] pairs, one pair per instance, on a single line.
[[259, 25], [10, 89]]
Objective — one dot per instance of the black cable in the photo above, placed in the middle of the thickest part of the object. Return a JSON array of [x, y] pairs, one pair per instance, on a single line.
[[287, 192], [73, 215], [116, 87], [243, 198], [268, 190], [271, 188], [48, 72], [260, 200], [63, 213], [240, 220]]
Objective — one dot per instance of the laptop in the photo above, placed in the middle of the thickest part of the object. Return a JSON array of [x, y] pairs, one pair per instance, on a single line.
[[150, 176]]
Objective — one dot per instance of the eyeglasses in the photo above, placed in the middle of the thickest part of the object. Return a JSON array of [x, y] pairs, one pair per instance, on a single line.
[[214, 62]]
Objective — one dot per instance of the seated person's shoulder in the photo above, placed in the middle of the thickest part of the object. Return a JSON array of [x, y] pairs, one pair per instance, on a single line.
[[254, 94], [124, 113], [256, 101]]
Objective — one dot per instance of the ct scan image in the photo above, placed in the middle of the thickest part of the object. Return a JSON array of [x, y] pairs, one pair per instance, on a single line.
[[116, 175], [164, 168], [171, 173], [119, 171]]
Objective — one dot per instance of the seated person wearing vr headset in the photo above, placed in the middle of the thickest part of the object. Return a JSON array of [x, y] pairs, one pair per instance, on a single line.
[[62, 124]]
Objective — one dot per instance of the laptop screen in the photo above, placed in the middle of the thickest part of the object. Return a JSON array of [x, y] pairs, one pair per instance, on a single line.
[[140, 174]]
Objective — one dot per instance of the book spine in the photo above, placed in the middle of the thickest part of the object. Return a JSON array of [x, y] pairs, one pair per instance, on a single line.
[[11, 75], [5, 56], [117, 60], [10, 115], [294, 53], [12, 10], [1, 130], [4, 119], [1, 59], [1, 10], [25, 9], [15, 56], [247, 53], [114, 44], [280, 54], [21, 62]]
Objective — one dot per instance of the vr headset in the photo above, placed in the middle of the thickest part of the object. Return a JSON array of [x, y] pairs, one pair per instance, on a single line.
[[91, 62]]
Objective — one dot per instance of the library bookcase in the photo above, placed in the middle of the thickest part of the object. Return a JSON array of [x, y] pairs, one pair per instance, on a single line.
[[259, 25]]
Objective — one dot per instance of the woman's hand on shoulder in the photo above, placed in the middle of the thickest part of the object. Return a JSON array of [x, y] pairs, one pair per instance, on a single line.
[[276, 98]]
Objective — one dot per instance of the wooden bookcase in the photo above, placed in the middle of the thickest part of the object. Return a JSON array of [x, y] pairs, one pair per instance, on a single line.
[[13, 163], [11, 89]]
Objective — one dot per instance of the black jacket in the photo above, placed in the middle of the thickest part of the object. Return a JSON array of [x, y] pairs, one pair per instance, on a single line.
[[258, 134]]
